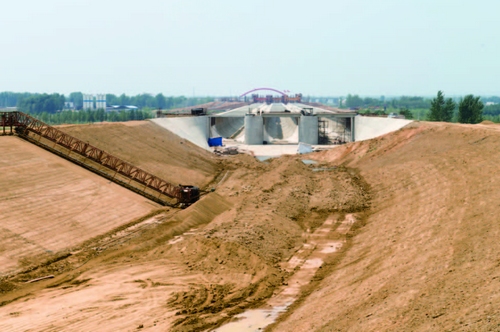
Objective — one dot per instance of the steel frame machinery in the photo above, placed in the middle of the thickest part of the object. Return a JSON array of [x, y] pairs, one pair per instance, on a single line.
[[32, 130]]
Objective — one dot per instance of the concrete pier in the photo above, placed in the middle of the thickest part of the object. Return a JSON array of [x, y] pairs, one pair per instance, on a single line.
[[308, 129], [254, 129]]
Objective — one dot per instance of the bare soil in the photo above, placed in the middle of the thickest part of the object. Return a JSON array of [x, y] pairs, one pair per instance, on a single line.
[[422, 256], [186, 270], [154, 149], [427, 258], [48, 205]]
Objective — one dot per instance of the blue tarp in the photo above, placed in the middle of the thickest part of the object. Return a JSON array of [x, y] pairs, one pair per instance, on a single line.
[[215, 141]]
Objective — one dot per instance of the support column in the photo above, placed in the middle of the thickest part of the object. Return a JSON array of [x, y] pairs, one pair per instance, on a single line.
[[308, 129], [254, 129], [353, 129]]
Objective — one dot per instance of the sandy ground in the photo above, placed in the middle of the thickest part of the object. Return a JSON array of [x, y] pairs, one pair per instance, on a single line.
[[427, 259], [416, 213], [154, 149], [48, 205], [188, 270]]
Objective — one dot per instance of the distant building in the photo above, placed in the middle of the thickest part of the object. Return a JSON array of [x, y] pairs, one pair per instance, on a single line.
[[91, 102]]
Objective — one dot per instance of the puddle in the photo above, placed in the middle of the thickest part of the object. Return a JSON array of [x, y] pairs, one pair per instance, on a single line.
[[314, 263], [294, 262], [308, 260], [331, 247], [309, 161], [254, 320], [264, 158]]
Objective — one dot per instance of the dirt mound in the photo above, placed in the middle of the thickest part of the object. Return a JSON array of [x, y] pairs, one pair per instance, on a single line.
[[426, 258], [152, 148], [487, 122], [207, 305], [193, 269]]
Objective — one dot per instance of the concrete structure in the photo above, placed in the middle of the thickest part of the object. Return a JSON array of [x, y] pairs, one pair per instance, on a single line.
[[371, 127], [254, 129], [228, 127], [308, 129], [250, 126], [193, 129]]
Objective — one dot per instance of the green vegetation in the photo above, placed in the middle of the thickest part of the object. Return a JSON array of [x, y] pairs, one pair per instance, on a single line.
[[51, 106], [470, 110], [406, 112], [440, 109], [42, 103], [77, 117], [10, 99], [492, 113], [51, 103], [403, 102]]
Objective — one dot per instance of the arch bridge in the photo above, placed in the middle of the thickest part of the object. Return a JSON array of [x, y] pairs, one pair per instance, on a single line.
[[269, 99]]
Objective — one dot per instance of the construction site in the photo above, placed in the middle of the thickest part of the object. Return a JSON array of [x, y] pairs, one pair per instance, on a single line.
[[267, 215]]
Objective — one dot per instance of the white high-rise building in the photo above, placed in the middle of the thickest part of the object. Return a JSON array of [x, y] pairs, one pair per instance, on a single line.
[[88, 102], [101, 101]]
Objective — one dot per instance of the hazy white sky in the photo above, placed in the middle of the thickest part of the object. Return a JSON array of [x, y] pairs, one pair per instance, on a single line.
[[222, 47]]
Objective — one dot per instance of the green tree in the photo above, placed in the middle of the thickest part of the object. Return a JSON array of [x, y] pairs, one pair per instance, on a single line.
[[42, 103], [406, 112], [161, 101], [441, 109], [77, 99], [353, 101], [470, 110]]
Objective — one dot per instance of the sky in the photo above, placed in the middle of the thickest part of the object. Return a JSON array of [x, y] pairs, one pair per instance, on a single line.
[[227, 47]]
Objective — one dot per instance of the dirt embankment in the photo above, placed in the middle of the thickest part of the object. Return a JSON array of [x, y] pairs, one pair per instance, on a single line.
[[151, 147], [427, 258], [48, 205], [273, 205], [194, 269]]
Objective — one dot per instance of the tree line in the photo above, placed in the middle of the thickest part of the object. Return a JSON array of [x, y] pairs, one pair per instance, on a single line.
[[409, 102], [470, 109], [88, 116], [144, 100], [50, 103]]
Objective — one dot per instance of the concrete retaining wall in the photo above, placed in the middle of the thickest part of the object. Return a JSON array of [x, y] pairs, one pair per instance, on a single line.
[[227, 126], [370, 127], [193, 129]]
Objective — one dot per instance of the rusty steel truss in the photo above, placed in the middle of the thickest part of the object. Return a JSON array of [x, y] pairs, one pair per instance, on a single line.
[[23, 124]]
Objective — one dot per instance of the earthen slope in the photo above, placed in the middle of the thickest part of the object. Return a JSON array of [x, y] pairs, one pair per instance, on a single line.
[[427, 259]]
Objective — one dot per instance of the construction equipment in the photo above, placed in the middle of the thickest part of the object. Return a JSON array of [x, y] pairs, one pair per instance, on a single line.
[[114, 168], [199, 111]]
